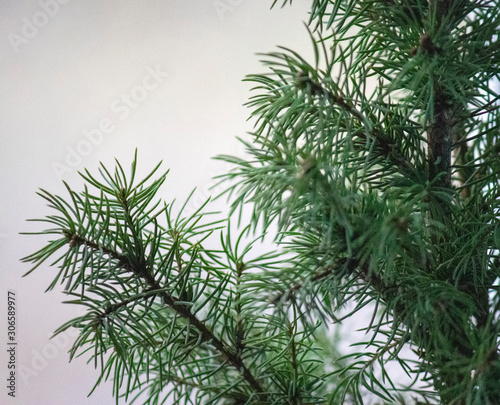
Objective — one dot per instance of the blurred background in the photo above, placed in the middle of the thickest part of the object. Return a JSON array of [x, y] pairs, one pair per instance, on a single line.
[[89, 81]]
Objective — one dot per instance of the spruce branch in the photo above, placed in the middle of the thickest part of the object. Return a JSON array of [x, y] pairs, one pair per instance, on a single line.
[[383, 144], [145, 273], [127, 238]]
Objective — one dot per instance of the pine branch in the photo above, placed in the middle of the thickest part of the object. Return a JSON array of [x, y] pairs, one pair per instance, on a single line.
[[172, 302], [387, 148], [395, 298]]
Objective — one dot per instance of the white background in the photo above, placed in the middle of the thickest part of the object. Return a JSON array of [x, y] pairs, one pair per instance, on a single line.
[[63, 78]]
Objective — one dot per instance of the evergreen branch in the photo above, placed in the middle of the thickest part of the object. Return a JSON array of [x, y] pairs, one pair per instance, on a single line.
[[388, 148], [393, 296], [207, 335]]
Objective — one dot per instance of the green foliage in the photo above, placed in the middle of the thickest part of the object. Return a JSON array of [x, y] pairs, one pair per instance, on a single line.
[[379, 162], [164, 308]]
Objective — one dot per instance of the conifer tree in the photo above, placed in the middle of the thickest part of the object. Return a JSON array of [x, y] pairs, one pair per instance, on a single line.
[[379, 162]]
